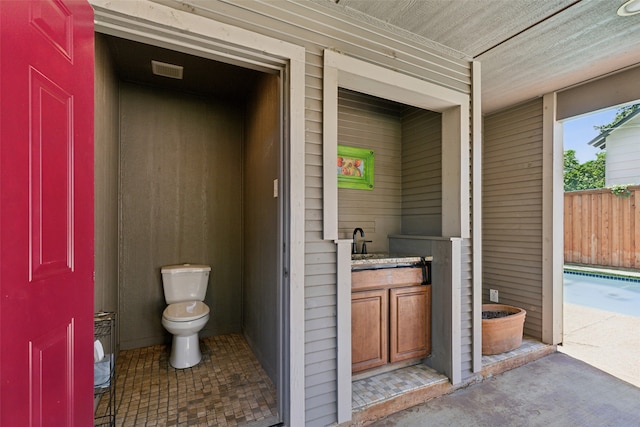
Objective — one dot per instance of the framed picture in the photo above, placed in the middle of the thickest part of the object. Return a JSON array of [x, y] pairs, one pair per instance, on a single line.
[[355, 168]]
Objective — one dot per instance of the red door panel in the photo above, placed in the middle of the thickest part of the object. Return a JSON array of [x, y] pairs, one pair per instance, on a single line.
[[51, 193], [46, 213]]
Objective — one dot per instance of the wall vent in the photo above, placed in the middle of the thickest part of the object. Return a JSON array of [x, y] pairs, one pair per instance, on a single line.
[[166, 70]]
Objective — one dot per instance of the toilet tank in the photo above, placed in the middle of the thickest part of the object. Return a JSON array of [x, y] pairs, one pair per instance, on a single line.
[[185, 282]]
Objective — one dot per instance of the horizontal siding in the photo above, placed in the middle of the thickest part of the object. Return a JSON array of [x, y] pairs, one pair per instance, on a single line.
[[512, 210], [421, 172], [466, 309], [368, 122], [623, 154], [320, 265], [316, 26]]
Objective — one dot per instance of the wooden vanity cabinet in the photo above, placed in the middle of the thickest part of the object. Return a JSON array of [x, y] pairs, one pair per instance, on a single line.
[[369, 334], [391, 323], [409, 327]]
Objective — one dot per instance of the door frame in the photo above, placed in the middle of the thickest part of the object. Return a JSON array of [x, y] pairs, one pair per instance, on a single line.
[[196, 34]]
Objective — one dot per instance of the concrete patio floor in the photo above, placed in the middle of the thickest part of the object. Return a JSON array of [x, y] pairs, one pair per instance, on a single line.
[[593, 380], [556, 390], [606, 340]]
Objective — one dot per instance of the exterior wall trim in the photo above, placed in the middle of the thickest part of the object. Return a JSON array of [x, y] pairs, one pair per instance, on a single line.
[[350, 73], [343, 296], [153, 23], [552, 222], [476, 229]]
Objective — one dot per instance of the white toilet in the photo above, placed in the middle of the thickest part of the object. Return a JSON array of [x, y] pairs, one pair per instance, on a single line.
[[185, 286]]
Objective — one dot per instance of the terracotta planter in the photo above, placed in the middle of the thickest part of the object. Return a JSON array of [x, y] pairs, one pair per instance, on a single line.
[[503, 333]]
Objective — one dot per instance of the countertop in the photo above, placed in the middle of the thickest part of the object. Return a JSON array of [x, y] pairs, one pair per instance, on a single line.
[[380, 260]]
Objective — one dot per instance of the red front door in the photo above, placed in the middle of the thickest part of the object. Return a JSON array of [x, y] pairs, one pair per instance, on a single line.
[[46, 213]]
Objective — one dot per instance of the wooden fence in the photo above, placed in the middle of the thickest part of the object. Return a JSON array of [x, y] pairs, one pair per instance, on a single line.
[[602, 229]]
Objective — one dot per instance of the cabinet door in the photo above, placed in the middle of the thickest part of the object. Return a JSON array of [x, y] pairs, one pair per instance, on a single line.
[[410, 322], [369, 318]]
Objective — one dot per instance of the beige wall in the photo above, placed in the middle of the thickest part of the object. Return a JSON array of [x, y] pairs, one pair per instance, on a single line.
[[374, 124], [181, 199], [407, 194], [512, 210], [106, 180], [421, 172], [262, 248]]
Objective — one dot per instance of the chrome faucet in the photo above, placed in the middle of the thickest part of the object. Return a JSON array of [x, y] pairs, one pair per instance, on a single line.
[[354, 245]]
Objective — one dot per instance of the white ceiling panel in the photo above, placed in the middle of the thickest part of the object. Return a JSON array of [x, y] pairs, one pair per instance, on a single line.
[[470, 26], [526, 47]]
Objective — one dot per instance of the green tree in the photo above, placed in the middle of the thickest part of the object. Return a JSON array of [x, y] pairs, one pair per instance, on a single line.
[[620, 114], [586, 176]]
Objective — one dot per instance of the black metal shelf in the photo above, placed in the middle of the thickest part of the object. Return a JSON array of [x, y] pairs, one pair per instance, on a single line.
[[104, 393]]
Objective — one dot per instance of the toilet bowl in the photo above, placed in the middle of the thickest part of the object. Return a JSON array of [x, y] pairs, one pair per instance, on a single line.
[[186, 314], [184, 320]]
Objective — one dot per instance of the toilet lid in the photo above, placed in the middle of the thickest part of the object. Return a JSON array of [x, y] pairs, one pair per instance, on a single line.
[[185, 311]]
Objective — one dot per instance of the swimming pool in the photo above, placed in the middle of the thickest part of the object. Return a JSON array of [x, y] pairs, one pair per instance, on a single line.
[[619, 295]]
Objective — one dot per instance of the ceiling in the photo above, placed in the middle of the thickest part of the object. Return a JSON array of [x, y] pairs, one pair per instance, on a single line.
[[526, 47], [202, 76]]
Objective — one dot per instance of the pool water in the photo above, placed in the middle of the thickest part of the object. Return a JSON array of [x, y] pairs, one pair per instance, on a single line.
[[618, 295]]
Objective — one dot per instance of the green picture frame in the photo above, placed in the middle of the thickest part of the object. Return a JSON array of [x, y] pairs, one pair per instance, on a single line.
[[355, 168]]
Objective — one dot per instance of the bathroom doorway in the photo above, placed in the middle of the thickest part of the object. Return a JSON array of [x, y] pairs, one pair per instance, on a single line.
[[190, 171]]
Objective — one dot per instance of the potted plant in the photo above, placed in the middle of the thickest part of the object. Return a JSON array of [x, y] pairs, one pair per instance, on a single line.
[[502, 327]]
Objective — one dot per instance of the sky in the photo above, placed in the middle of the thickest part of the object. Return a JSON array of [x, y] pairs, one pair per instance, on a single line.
[[579, 131]]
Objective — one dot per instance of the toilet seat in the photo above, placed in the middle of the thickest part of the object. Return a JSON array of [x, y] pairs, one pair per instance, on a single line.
[[185, 311]]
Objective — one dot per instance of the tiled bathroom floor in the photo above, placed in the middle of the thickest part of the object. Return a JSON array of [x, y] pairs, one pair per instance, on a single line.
[[230, 388], [227, 388]]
